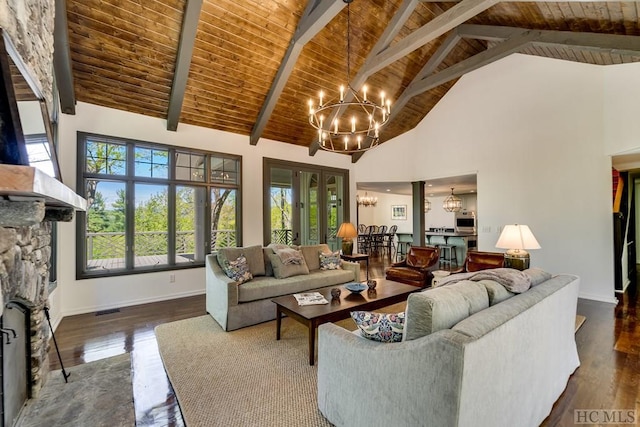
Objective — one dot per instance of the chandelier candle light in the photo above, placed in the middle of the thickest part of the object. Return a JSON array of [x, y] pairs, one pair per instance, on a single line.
[[366, 200], [351, 122]]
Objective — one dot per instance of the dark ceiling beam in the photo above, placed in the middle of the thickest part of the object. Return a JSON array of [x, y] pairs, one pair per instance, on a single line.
[[62, 59], [317, 15], [183, 62], [488, 32], [516, 40], [611, 43], [486, 57], [436, 59], [438, 26]]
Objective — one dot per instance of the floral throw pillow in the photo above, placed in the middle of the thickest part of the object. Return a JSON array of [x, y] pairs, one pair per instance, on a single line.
[[381, 327], [330, 261], [238, 270]]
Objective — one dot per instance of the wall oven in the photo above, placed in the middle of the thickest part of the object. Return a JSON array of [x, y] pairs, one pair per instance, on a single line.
[[466, 222]]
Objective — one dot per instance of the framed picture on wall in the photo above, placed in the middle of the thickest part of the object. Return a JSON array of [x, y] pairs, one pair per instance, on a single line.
[[398, 212]]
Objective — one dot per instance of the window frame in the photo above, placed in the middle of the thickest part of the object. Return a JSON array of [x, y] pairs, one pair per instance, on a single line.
[[129, 179]]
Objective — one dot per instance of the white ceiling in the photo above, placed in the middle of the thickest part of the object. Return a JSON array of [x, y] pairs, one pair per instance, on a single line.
[[463, 184]]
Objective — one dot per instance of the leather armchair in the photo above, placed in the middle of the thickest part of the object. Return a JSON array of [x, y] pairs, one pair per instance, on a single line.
[[416, 268], [477, 261]]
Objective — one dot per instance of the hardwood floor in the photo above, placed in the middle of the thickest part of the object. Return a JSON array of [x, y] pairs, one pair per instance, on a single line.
[[608, 345]]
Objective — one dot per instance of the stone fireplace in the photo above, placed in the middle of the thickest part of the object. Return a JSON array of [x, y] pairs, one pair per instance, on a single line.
[[25, 253]]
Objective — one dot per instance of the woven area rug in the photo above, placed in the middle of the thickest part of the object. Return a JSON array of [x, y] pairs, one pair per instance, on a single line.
[[98, 394], [243, 377]]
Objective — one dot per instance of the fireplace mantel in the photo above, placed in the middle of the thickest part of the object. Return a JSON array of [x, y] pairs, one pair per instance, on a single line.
[[27, 183]]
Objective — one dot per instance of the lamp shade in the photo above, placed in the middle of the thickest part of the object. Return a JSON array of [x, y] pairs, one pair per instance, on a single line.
[[517, 236], [347, 231]]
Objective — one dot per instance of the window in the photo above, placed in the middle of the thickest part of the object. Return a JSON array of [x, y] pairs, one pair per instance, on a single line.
[[150, 206]]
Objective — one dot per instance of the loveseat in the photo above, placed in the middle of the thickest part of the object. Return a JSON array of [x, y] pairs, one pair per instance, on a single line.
[[472, 354], [235, 305]]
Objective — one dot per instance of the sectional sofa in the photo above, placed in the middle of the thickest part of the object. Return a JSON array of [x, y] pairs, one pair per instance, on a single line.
[[235, 305], [473, 354]]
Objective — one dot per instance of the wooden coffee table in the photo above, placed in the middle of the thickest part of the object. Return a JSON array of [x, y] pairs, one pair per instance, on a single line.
[[386, 293]]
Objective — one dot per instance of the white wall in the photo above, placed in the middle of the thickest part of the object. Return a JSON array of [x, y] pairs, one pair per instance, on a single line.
[[80, 296], [533, 129], [621, 106]]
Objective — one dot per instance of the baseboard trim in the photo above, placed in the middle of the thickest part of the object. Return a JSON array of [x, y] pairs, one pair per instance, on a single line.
[[91, 309], [600, 298]]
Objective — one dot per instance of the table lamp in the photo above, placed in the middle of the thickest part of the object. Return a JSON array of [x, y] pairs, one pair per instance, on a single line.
[[516, 238], [347, 232]]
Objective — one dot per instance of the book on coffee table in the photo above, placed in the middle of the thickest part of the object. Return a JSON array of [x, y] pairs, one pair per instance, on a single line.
[[310, 298]]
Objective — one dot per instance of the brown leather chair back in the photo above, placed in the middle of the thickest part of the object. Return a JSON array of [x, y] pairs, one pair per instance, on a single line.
[[477, 261], [422, 257]]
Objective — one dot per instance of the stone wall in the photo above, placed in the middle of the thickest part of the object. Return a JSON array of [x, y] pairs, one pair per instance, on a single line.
[[24, 275], [30, 24], [25, 250]]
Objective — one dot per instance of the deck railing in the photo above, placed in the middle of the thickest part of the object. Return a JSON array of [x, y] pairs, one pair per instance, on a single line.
[[108, 245], [112, 244]]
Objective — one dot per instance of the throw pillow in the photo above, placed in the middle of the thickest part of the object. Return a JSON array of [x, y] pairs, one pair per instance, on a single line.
[[282, 271], [330, 261], [238, 270], [253, 254], [380, 327]]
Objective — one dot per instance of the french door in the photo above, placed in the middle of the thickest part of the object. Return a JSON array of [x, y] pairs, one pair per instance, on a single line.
[[304, 204]]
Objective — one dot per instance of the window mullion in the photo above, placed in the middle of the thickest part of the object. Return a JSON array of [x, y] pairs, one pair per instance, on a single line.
[[171, 225]]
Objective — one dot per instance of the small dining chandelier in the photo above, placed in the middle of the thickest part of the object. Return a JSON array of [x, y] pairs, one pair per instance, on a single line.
[[427, 205], [350, 122], [452, 203], [366, 200]]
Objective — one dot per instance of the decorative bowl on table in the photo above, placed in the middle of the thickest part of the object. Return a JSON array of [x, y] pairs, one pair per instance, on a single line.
[[355, 287]]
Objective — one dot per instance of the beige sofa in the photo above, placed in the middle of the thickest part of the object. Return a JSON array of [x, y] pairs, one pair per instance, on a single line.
[[235, 306], [473, 354]]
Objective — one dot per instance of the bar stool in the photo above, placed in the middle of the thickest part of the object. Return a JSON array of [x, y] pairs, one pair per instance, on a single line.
[[404, 243], [448, 254]]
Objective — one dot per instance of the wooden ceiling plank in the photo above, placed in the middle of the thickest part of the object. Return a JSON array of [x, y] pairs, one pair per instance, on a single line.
[[450, 19], [183, 62], [316, 17], [62, 60], [390, 32]]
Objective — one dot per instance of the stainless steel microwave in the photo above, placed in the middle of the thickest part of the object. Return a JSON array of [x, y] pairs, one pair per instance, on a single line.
[[466, 222]]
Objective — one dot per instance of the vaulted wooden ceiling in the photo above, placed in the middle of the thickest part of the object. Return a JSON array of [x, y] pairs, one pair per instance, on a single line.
[[250, 66]]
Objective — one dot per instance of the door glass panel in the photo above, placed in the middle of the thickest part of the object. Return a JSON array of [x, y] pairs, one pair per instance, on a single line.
[[190, 220], [309, 212], [150, 233], [106, 239], [280, 206], [335, 209], [223, 218]]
